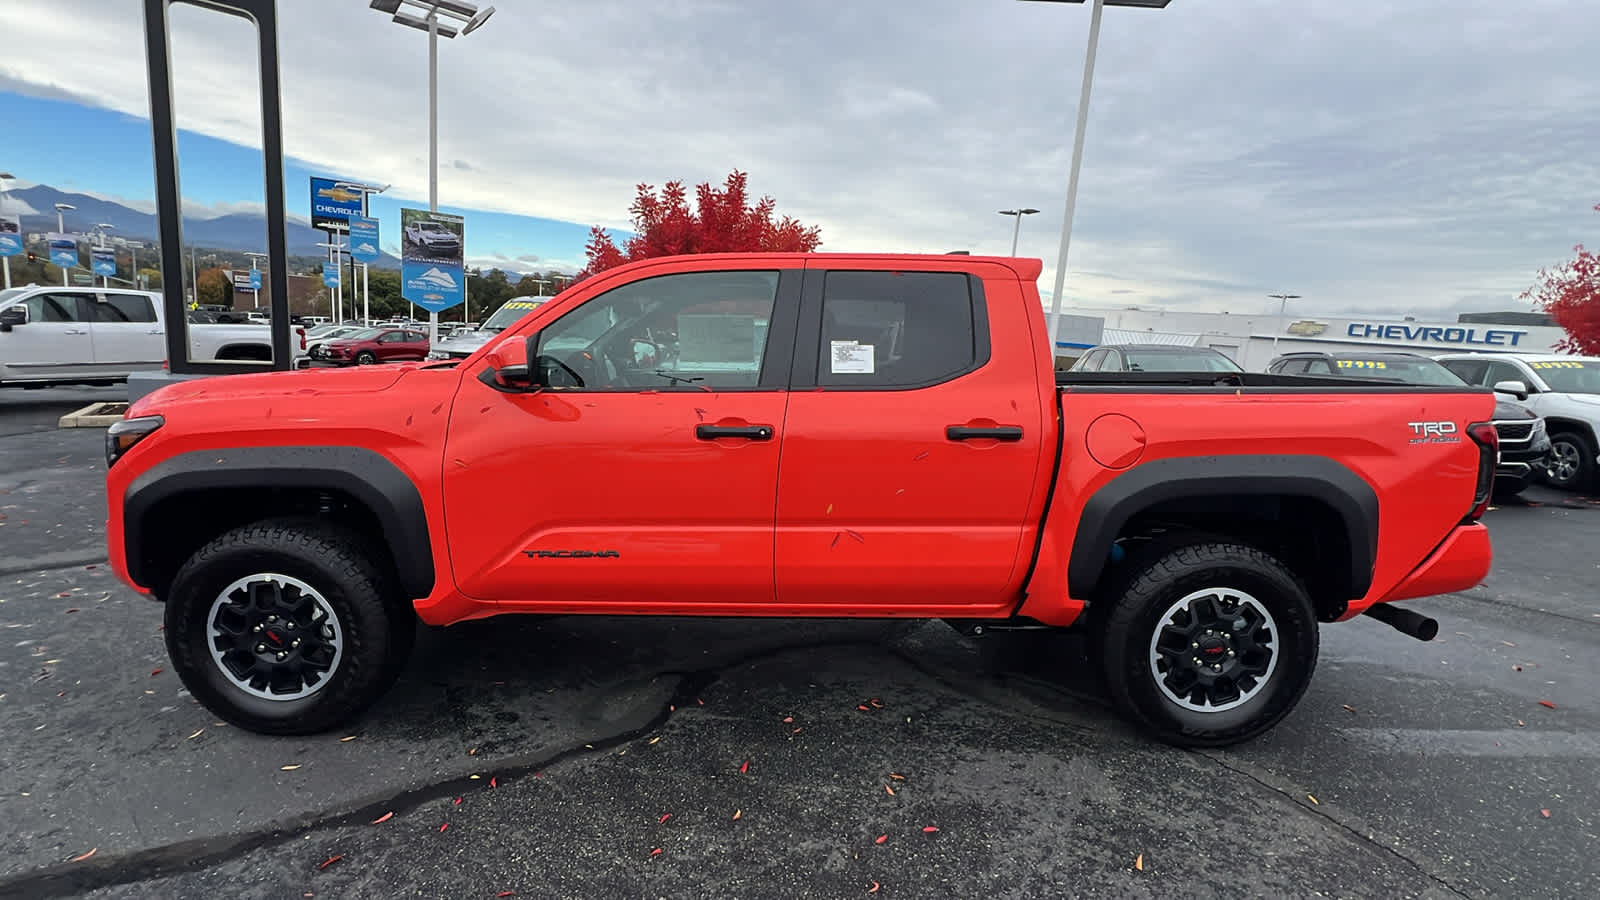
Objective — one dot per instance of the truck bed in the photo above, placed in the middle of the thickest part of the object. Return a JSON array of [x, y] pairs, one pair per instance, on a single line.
[[1137, 381]]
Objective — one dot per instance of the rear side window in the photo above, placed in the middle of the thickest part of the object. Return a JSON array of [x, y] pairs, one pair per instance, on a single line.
[[124, 308], [899, 329]]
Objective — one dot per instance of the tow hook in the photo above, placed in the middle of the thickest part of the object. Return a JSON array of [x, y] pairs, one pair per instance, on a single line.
[[1405, 621]]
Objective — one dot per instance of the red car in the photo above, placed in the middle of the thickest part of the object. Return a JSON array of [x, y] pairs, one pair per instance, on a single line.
[[795, 435], [375, 345]]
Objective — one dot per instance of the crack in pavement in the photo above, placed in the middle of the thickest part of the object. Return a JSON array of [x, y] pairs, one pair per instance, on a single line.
[[70, 878], [55, 562], [1265, 782]]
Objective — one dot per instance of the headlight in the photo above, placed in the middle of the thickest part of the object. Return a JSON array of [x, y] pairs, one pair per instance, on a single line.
[[1538, 426], [122, 436]]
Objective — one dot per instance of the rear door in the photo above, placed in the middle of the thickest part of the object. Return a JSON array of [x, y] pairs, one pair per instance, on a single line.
[[55, 341], [913, 441], [127, 337]]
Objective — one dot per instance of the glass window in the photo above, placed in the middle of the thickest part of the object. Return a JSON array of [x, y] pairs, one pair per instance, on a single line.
[[52, 308], [689, 330], [1091, 361], [123, 308], [1468, 370], [1180, 361], [1503, 371], [895, 329], [1574, 376], [1291, 366], [1318, 367]]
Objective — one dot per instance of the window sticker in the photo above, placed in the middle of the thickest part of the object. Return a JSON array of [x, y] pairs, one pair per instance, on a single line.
[[851, 358]]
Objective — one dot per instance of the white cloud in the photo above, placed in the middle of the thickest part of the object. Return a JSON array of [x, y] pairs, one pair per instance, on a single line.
[[1368, 158]]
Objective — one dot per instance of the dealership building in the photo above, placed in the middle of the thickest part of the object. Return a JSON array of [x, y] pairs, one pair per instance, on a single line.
[[1253, 341]]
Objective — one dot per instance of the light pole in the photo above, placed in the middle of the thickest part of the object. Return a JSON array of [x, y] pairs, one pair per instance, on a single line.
[[1077, 147], [100, 243], [336, 296], [1283, 304], [470, 19], [61, 228], [1017, 231], [6, 260], [253, 257]]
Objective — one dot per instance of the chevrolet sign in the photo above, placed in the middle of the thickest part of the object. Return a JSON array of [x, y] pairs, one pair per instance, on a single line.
[[1437, 334], [1306, 328]]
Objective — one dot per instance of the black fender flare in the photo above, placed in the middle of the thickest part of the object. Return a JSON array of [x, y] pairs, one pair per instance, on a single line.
[[370, 478], [1108, 510]]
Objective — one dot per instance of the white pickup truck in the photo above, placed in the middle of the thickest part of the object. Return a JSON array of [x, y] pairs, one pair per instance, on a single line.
[[88, 335]]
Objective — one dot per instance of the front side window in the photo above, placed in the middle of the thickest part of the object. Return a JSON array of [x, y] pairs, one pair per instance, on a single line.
[[1503, 371], [897, 329], [691, 330], [123, 308], [53, 308]]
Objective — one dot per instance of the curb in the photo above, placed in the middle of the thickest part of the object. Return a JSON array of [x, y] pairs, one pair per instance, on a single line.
[[95, 415]]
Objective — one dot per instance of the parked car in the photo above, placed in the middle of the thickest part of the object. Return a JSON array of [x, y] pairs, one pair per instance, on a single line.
[[894, 443], [1153, 358], [433, 237], [88, 335], [317, 337], [466, 342], [1525, 447], [375, 345], [1565, 390]]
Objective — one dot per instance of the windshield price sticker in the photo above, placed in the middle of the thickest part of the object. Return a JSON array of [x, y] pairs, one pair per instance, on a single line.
[[1362, 364], [1563, 364]]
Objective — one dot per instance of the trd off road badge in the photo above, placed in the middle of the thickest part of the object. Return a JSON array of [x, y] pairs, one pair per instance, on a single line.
[[1434, 433]]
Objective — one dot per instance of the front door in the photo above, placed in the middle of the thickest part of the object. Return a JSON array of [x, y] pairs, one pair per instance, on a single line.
[[646, 475], [912, 450], [127, 337], [54, 343]]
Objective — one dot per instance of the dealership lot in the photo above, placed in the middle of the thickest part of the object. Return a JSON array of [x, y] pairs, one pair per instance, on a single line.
[[1463, 767]]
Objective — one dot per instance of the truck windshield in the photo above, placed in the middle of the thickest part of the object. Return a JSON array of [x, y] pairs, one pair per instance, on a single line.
[[1168, 361], [1410, 371], [1567, 376], [507, 315]]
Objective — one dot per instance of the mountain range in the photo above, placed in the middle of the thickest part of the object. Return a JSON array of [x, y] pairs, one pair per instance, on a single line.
[[238, 232]]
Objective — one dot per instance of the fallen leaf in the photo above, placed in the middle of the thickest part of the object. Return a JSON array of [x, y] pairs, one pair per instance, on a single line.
[[897, 777], [1313, 800], [473, 752], [1138, 862], [506, 894], [654, 739], [1545, 813], [457, 802], [929, 829], [1508, 643], [1547, 704], [444, 826], [494, 781], [155, 672], [664, 818], [475, 777], [699, 701], [290, 768], [656, 852], [331, 860], [383, 818], [1349, 708], [195, 735], [344, 740], [863, 708], [737, 813], [92, 852], [881, 839], [796, 731], [889, 789], [1521, 724], [788, 720], [671, 708], [876, 702], [744, 768], [873, 889]]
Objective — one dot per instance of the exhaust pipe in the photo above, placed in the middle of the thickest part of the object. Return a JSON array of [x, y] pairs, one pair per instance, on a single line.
[[1405, 621]]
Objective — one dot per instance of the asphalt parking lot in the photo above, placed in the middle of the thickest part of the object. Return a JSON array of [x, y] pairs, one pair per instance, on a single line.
[[572, 756]]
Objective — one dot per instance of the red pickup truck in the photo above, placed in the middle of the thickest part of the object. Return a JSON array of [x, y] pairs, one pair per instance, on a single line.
[[793, 435]]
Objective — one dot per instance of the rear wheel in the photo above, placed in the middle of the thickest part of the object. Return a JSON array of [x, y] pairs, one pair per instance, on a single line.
[[1572, 461], [286, 627], [1209, 644]]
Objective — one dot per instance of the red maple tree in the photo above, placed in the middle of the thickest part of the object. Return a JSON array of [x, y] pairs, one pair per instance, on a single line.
[[723, 221], [1570, 293]]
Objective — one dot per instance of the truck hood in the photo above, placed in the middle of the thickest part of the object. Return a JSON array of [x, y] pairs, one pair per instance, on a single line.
[[234, 388]]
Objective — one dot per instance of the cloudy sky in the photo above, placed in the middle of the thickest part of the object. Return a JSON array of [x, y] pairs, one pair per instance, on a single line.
[[1417, 157]]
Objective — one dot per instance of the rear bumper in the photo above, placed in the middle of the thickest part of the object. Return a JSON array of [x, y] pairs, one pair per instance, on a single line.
[[1462, 561]]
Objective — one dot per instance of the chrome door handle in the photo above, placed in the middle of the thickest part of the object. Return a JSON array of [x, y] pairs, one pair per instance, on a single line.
[[156, 331], [74, 331]]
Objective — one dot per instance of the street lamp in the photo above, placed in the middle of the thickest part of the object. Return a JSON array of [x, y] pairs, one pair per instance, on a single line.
[[470, 18], [5, 261], [61, 227], [1077, 146], [1283, 304], [100, 242], [1017, 231]]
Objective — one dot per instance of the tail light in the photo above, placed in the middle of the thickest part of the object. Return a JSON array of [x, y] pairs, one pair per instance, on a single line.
[[1488, 441], [302, 337]]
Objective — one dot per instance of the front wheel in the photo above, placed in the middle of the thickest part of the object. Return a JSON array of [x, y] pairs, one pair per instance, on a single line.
[[366, 358], [1209, 645], [285, 627], [1572, 462]]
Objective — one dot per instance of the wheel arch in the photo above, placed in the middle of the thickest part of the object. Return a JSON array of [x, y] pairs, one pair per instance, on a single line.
[[192, 497], [1239, 496], [1558, 423]]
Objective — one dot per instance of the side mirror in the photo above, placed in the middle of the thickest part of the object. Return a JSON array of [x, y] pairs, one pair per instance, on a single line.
[[1515, 388], [645, 353], [507, 373], [12, 316]]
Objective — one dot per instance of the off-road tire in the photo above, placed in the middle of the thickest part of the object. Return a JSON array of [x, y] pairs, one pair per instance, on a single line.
[[377, 627], [1128, 619]]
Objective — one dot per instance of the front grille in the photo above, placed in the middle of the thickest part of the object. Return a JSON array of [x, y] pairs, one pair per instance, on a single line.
[[1513, 431]]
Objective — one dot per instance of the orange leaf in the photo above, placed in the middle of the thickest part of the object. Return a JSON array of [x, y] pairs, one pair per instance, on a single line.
[[457, 803], [664, 818], [744, 768], [1545, 813], [873, 889], [876, 702], [889, 789], [897, 777], [699, 701], [929, 829], [506, 894], [331, 860], [737, 813], [383, 818], [1547, 704], [494, 782], [95, 850], [1138, 863], [881, 839], [656, 852], [787, 720], [863, 708], [444, 826]]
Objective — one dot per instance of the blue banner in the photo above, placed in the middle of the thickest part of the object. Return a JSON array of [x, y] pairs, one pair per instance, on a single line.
[[330, 274], [103, 261], [432, 248], [63, 249], [333, 206], [364, 240], [255, 279], [10, 236]]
